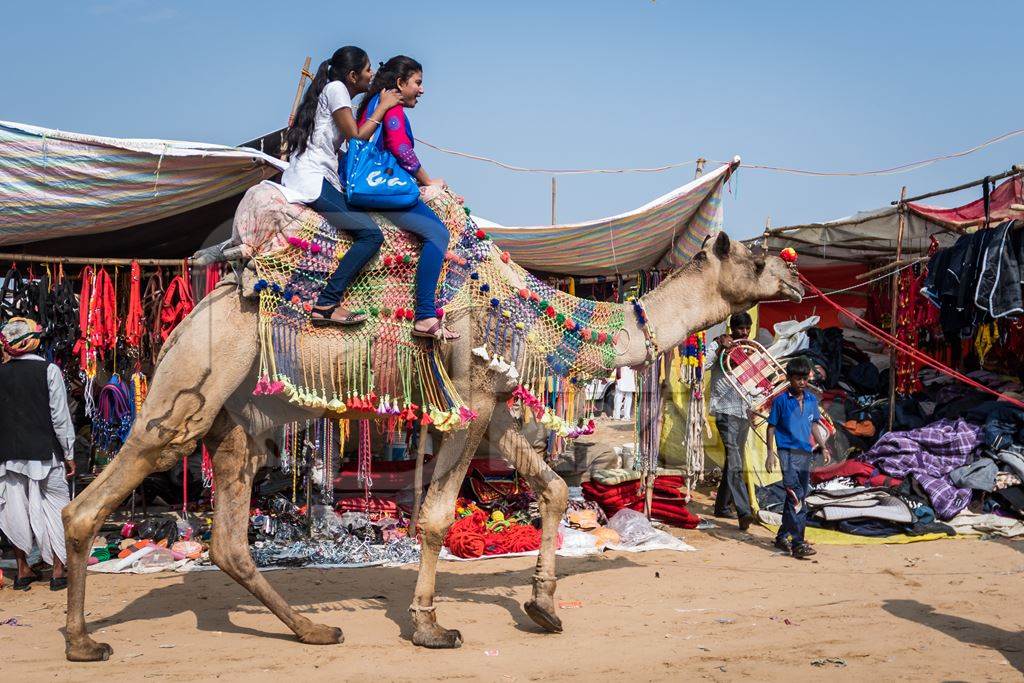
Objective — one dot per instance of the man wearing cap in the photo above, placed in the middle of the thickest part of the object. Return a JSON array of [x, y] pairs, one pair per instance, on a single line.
[[36, 452]]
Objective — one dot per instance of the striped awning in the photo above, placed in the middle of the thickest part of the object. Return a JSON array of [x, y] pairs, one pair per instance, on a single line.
[[56, 184], [666, 231]]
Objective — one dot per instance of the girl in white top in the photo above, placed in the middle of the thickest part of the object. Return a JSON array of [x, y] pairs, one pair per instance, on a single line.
[[323, 125]]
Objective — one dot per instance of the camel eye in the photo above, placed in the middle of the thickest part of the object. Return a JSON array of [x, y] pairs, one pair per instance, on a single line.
[[759, 267]]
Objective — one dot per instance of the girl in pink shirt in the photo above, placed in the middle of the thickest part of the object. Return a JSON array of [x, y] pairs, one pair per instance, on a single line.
[[405, 75]]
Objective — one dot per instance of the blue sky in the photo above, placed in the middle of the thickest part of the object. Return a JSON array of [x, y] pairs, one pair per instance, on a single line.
[[599, 83]]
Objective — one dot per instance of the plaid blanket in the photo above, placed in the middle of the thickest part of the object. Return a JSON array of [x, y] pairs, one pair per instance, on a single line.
[[930, 454]]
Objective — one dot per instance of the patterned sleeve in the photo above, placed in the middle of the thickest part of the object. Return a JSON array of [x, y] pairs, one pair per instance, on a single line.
[[397, 140]]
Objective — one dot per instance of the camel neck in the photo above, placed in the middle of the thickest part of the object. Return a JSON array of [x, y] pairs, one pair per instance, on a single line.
[[680, 306]]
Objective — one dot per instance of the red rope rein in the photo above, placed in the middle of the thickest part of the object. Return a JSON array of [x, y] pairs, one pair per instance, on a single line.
[[905, 348]]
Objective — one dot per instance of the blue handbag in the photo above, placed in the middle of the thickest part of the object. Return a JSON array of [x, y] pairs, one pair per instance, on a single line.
[[373, 178]]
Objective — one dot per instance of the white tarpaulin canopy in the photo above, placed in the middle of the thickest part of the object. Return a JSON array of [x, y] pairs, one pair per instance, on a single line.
[[55, 184]]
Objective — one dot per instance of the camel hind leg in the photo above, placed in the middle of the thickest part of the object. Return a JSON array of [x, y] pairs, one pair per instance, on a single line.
[[207, 358], [235, 463]]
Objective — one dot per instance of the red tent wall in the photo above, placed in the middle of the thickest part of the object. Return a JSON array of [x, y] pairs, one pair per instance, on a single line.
[[825, 278]]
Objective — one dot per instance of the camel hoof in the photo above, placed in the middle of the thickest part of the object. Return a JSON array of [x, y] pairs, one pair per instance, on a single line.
[[88, 651], [437, 638], [319, 634], [544, 618]]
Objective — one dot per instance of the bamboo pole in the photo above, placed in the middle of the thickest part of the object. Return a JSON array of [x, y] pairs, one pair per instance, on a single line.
[[554, 198], [295, 105], [81, 261], [902, 210], [888, 266], [1014, 170]]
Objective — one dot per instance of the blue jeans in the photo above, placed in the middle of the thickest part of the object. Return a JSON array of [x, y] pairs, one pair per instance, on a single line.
[[367, 240], [796, 478], [421, 221]]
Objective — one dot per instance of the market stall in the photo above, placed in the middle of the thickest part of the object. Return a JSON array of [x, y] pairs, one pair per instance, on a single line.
[[924, 385]]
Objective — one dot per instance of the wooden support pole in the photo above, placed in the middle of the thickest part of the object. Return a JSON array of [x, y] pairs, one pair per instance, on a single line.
[[79, 261], [889, 266], [1015, 170], [303, 75], [554, 198], [902, 210]]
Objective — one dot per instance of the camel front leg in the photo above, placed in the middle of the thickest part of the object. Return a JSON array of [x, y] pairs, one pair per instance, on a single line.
[[552, 494], [208, 356], [235, 463], [83, 518], [436, 515]]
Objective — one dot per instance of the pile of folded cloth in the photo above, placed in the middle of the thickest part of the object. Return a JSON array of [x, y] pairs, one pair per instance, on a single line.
[[616, 489]]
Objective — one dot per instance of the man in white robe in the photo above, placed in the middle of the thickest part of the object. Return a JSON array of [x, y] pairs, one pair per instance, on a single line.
[[36, 452]]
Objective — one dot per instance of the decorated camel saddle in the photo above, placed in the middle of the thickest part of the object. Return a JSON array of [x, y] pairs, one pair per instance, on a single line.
[[543, 340]]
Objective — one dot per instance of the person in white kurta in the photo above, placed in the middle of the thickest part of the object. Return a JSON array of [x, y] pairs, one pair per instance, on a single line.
[[625, 387], [34, 491]]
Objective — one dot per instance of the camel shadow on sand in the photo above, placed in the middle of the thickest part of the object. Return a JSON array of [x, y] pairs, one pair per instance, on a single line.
[[212, 595], [1005, 642]]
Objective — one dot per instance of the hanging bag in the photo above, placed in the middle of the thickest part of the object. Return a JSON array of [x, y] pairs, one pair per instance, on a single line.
[[373, 178]]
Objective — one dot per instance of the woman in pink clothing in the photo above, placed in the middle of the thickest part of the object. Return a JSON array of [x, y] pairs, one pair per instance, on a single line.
[[405, 75]]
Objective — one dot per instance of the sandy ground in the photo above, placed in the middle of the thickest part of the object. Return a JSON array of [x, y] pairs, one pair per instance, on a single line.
[[942, 610], [734, 609]]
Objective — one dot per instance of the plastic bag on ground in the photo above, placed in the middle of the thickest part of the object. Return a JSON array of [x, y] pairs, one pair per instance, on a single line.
[[576, 542], [632, 527], [158, 559]]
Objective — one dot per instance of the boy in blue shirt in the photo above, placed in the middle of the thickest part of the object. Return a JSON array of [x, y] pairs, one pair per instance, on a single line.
[[792, 416]]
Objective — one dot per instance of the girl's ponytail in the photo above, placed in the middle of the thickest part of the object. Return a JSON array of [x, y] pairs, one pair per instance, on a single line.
[[344, 60]]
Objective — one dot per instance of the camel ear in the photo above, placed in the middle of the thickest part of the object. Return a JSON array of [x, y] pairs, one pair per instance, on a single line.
[[722, 245]]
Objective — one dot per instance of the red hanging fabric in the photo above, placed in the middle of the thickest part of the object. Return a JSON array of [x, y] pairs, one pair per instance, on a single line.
[[904, 348], [104, 314], [176, 305], [213, 273], [82, 346], [133, 320]]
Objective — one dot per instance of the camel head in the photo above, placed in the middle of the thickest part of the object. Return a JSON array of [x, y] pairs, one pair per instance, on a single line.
[[744, 277]]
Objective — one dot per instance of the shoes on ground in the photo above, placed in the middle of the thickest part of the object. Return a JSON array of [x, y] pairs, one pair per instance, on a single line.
[[803, 551]]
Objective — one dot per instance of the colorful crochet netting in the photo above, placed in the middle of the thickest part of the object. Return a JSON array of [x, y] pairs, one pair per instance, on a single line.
[[546, 342]]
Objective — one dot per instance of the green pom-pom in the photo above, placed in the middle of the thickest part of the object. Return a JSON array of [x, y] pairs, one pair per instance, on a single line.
[[374, 310], [543, 304], [406, 259], [560, 318]]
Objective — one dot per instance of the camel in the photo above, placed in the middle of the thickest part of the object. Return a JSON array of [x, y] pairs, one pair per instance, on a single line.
[[203, 389]]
